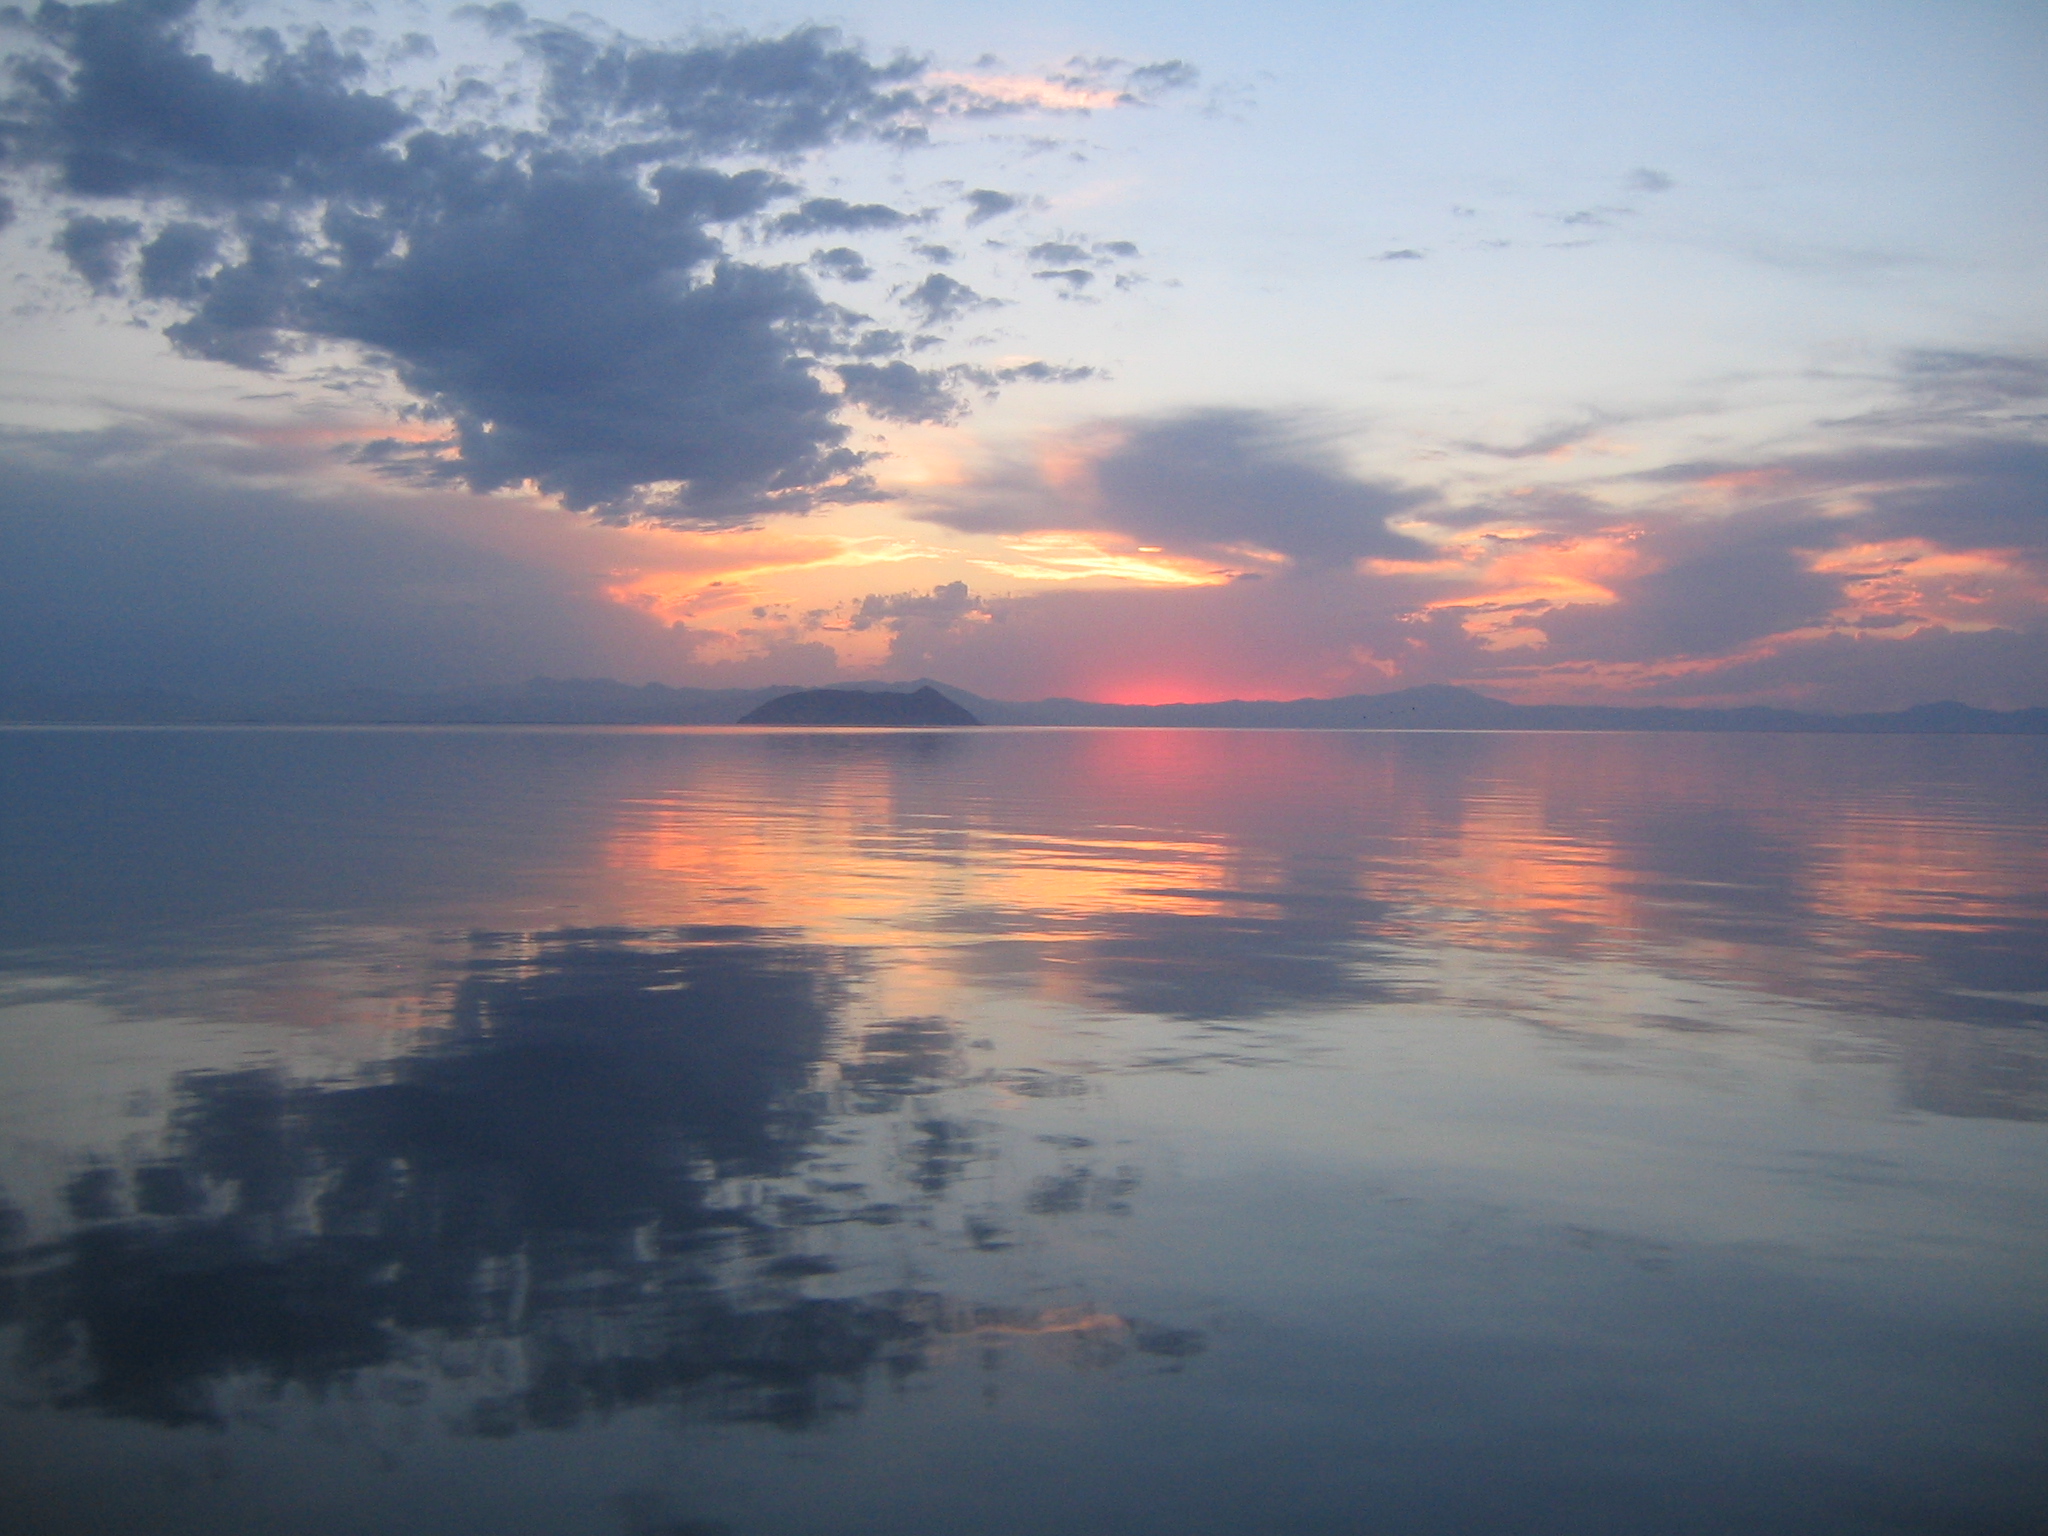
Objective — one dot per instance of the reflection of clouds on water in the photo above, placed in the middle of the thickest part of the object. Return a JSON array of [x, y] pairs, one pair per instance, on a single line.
[[1240, 884], [1193, 966], [594, 1185], [629, 1084]]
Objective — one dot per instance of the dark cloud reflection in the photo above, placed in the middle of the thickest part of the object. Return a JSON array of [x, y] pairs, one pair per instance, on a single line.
[[554, 1164]]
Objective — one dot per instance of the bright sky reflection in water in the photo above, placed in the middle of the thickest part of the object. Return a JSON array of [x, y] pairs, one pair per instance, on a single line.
[[1022, 1131]]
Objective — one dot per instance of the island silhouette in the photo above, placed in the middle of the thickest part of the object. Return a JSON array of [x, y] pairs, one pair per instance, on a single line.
[[841, 706]]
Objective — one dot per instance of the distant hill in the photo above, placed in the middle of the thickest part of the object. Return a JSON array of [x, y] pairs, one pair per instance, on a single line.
[[602, 701], [841, 706]]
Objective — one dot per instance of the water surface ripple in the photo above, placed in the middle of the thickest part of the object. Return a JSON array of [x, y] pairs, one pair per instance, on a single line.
[[695, 1131]]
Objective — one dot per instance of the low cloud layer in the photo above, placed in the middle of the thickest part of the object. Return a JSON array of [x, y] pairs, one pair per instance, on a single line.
[[151, 556], [1870, 578], [166, 556], [1219, 484]]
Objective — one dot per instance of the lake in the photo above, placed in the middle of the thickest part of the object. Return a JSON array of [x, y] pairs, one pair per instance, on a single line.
[[677, 1132]]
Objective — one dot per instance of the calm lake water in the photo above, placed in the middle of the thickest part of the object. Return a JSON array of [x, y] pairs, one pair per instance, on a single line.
[[1186, 1132]]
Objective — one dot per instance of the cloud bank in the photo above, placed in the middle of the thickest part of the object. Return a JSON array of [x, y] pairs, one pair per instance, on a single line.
[[1872, 577]]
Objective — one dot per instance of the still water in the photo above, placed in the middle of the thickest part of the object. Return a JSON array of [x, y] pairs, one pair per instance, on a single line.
[[666, 1133]]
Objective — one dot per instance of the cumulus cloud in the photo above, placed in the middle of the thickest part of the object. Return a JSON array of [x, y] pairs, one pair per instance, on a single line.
[[844, 263], [984, 204], [896, 391], [1148, 80], [122, 105], [729, 95], [563, 300], [97, 249], [819, 215], [943, 606], [1074, 278], [1214, 483], [940, 298], [174, 264]]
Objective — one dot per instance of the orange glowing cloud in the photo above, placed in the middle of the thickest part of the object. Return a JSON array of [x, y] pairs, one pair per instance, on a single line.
[[677, 575], [1081, 557], [1913, 582], [1513, 579]]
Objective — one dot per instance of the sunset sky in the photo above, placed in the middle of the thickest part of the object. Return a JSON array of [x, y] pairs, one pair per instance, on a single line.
[[1688, 353]]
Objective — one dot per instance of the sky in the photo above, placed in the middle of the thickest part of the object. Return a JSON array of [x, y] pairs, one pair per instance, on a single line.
[[1618, 353]]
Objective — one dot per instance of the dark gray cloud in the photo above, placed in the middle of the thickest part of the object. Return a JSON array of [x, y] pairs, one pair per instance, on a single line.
[[898, 392], [1943, 393], [707, 196], [1208, 482], [1967, 493], [844, 263], [1644, 179], [983, 205], [820, 215], [539, 309], [940, 298], [731, 95], [1712, 586], [97, 249], [120, 104], [173, 263], [878, 342], [1147, 80], [563, 301], [1404, 254], [943, 606], [131, 558], [1977, 376], [1069, 260], [1027, 373], [937, 255]]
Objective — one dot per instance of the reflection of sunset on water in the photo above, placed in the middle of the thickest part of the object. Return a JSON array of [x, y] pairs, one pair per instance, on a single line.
[[555, 1092], [1124, 858]]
